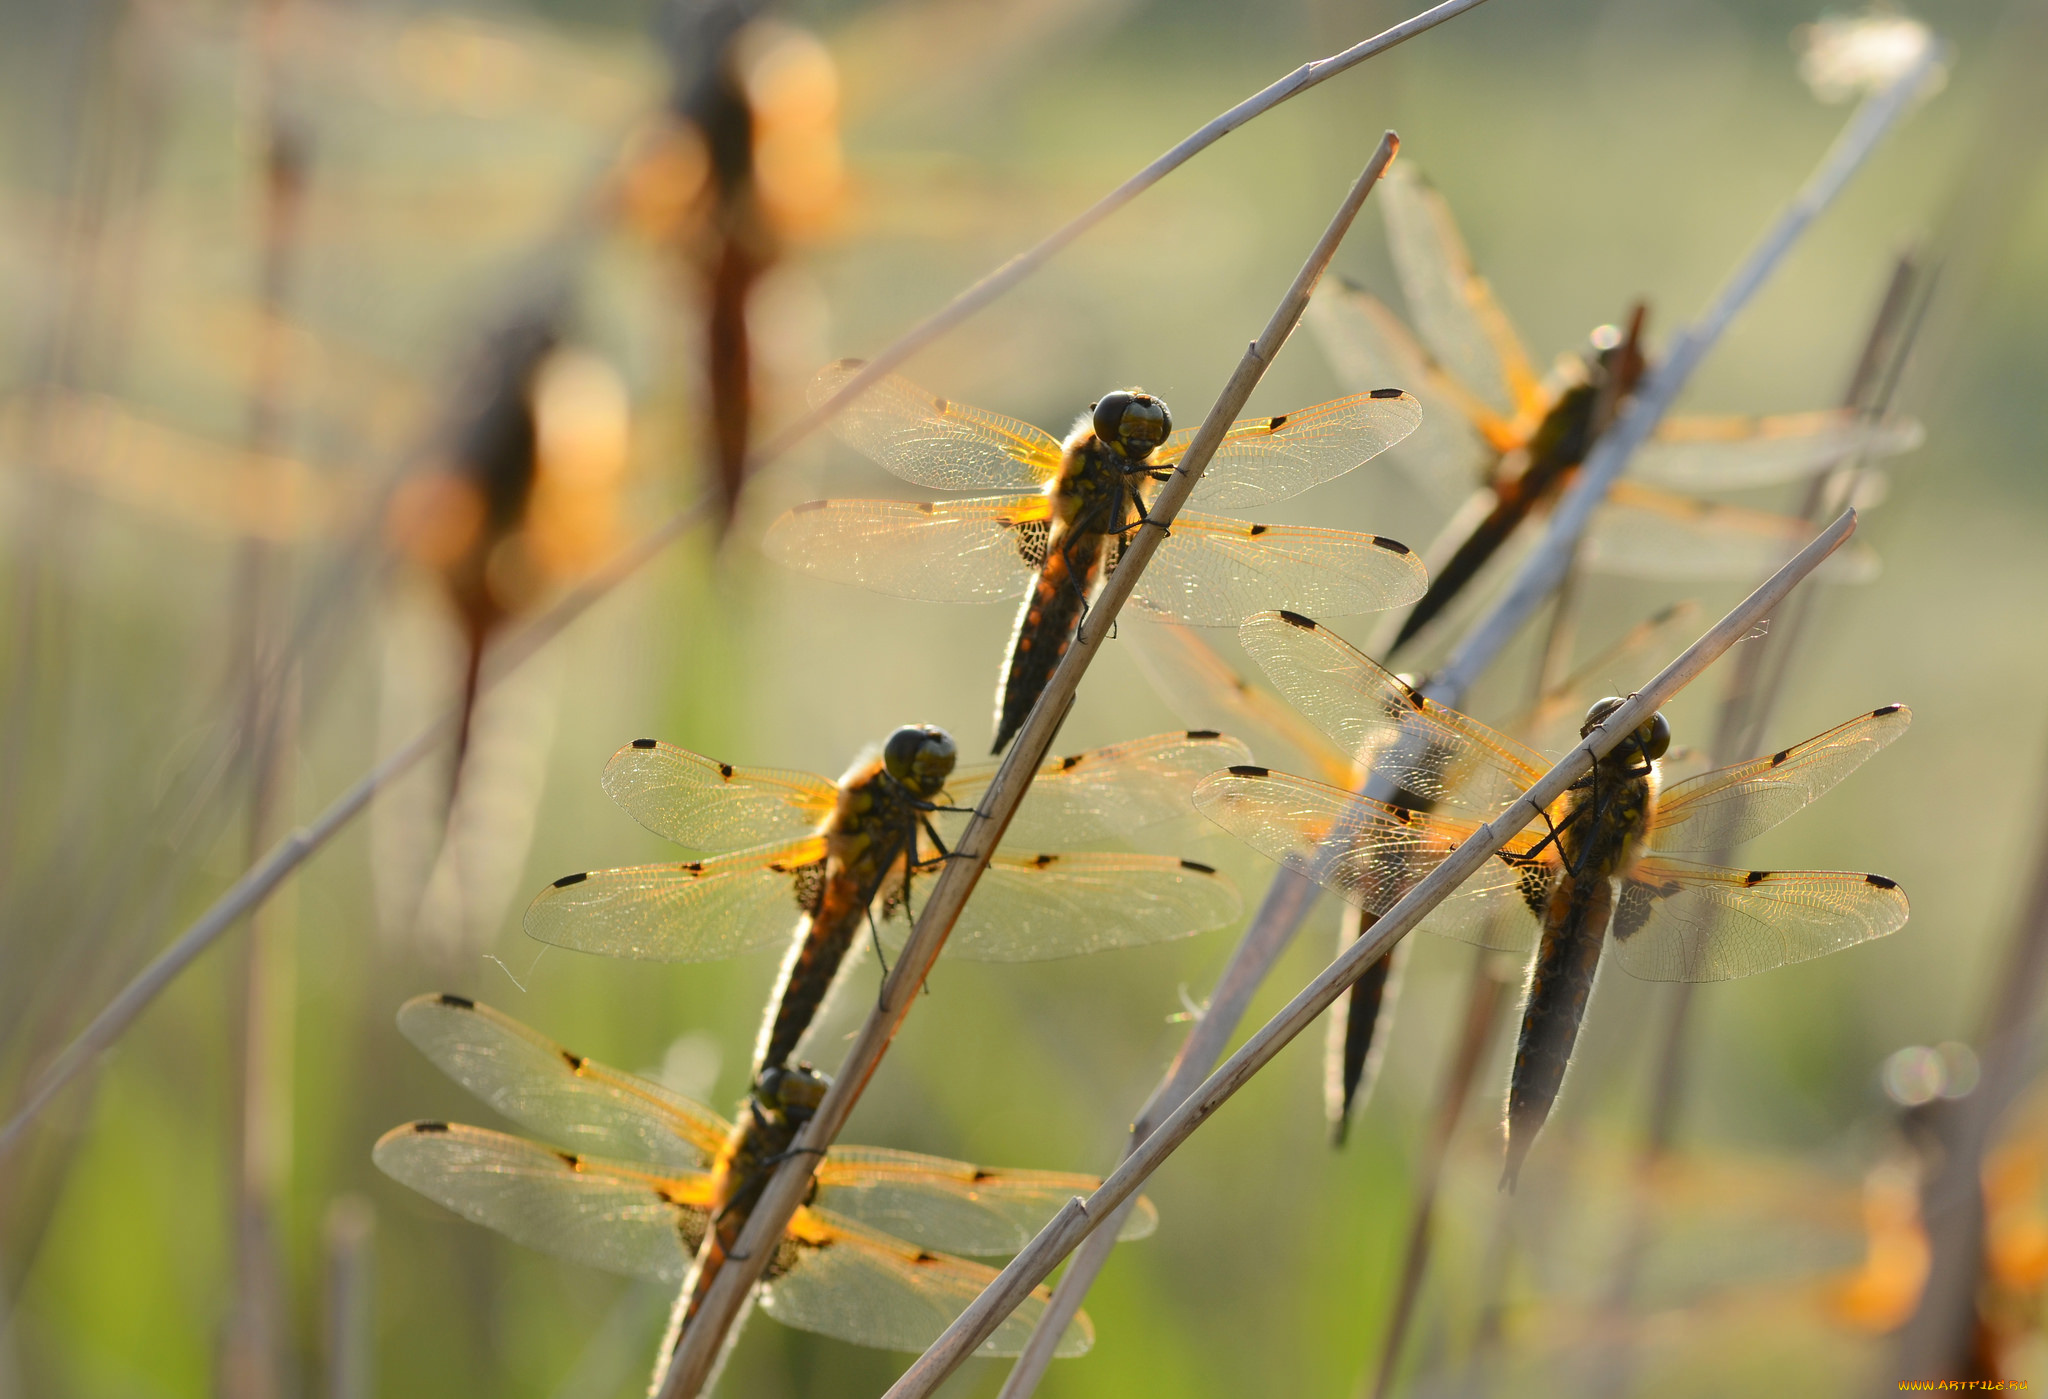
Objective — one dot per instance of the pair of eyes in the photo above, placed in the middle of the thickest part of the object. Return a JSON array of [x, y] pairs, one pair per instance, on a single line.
[[1654, 744]]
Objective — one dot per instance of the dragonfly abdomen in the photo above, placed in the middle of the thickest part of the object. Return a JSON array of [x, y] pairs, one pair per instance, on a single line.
[[1560, 984]]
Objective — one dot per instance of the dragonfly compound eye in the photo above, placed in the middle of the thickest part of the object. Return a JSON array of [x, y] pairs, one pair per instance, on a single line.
[[921, 757], [796, 1091], [1600, 710], [1132, 423], [1655, 738]]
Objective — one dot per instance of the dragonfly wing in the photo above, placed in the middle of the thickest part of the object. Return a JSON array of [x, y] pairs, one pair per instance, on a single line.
[[1684, 922], [836, 1278], [951, 1206], [570, 1101], [949, 551], [701, 911], [1203, 690], [1037, 908], [1719, 810], [1733, 453], [593, 1212], [1642, 532], [1262, 460], [1431, 751], [703, 804], [1109, 792], [934, 441], [1215, 572], [1371, 854]]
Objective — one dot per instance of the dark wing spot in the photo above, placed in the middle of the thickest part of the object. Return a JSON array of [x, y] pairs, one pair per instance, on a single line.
[[929, 507], [693, 867], [981, 1175], [1392, 546], [809, 888], [574, 1061], [1255, 531], [725, 770], [1043, 861], [810, 505], [1068, 762], [1780, 756], [1295, 619], [1888, 709], [923, 1257], [1387, 393], [571, 1160], [448, 998], [1204, 733], [1031, 537], [939, 405], [566, 880], [643, 743], [1275, 424], [429, 1127], [1880, 881], [1755, 878], [1244, 771], [1197, 866]]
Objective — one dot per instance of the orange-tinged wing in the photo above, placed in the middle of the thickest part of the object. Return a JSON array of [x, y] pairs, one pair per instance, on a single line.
[[839, 1279], [1735, 452], [701, 803], [1719, 810], [1370, 854], [1683, 922], [1433, 752], [566, 1099], [1450, 303], [1216, 572], [1644, 532], [1105, 793], [1202, 689], [601, 1213], [950, 1205], [934, 441], [700, 911], [1262, 460], [948, 551], [1034, 908]]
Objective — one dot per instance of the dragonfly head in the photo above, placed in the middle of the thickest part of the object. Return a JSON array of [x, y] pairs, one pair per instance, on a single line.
[[1652, 740], [1131, 423], [795, 1093], [921, 757]]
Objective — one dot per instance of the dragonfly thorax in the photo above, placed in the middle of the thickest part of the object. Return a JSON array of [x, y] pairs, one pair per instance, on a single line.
[[1131, 424]]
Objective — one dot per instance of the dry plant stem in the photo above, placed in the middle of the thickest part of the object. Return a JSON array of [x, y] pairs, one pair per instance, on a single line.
[[1073, 1223], [256, 883], [728, 1291]]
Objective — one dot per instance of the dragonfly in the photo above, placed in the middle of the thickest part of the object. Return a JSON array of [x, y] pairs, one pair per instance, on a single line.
[[1527, 434], [1600, 868], [1090, 494], [802, 852], [626, 1174], [1202, 687]]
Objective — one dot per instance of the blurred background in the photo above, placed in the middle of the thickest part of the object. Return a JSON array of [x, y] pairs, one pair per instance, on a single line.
[[359, 332]]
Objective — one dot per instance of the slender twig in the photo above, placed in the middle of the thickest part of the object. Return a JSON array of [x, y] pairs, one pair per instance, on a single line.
[[721, 1301], [1073, 1223], [258, 881]]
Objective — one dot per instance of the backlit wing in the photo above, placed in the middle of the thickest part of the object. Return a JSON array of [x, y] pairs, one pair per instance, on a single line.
[[851, 1283], [1215, 572], [934, 441], [1203, 690], [1430, 751], [1683, 922], [703, 804], [1450, 303], [1719, 810], [1370, 854], [696, 912], [948, 551], [950, 1205], [1643, 532], [598, 1213], [1262, 460], [1734, 452], [1040, 907], [1104, 793], [564, 1098]]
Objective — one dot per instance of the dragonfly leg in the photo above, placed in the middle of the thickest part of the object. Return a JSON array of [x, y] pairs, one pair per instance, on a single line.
[[875, 937]]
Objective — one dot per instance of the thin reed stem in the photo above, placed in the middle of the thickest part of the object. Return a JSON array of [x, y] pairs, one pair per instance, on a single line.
[[721, 1302]]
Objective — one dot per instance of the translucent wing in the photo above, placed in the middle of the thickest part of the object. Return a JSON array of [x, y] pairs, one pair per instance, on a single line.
[[599, 1213], [1642, 532], [1041, 907], [934, 441], [696, 912], [1215, 572], [1683, 922], [1262, 460], [566, 1099], [1719, 810], [1433, 752], [703, 804], [1202, 689], [839, 1279], [951, 551], [1370, 854], [1732, 453], [1449, 302], [950, 1205], [1105, 793]]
